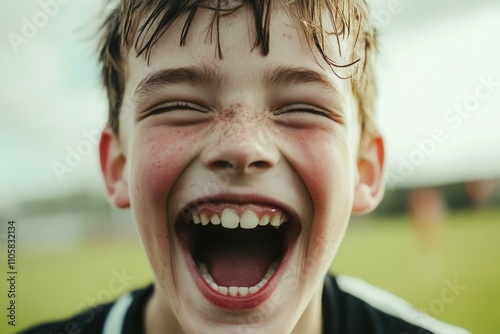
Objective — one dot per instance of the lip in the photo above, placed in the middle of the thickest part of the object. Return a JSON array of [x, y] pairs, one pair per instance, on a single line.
[[251, 301]]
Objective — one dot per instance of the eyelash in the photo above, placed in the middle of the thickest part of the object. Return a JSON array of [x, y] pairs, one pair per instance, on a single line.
[[177, 105], [310, 110], [183, 105]]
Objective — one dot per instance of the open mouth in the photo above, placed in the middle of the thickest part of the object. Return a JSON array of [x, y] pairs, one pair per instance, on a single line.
[[235, 251]]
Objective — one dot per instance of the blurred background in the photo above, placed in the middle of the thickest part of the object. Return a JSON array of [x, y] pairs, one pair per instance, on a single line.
[[438, 108]]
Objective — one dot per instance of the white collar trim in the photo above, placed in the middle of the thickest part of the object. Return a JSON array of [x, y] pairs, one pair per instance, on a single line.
[[116, 316]]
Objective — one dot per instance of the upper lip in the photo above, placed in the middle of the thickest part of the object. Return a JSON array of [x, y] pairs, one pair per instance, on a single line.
[[236, 198]]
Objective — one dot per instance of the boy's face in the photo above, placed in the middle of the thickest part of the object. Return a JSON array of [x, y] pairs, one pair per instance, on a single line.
[[245, 138]]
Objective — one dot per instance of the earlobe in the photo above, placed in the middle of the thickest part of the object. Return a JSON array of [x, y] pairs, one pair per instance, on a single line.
[[113, 168], [369, 187]]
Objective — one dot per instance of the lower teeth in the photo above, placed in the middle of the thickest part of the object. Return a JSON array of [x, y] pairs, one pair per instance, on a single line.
[[233, 290]]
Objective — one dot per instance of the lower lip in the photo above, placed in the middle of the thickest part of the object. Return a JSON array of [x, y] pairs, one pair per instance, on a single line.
[[238, 303]]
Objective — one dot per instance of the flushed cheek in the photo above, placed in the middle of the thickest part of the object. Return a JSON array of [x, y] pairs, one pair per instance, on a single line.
[[323, 162], [158, 159], [324, 165]]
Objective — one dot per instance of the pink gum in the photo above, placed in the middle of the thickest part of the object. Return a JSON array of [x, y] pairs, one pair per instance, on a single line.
[[259, 210]]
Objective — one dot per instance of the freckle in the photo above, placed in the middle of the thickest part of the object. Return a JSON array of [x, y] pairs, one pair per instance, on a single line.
[[230, 112]]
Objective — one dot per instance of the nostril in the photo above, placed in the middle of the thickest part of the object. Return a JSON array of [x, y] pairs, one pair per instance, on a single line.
[[260, 164], [227, 165], [231, 157], [222, 164]]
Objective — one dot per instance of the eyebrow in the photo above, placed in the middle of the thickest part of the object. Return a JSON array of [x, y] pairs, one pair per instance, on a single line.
[[287, 75], [196, 76], [205, 76]]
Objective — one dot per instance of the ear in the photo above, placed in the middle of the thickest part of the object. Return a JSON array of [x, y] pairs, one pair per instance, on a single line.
[[370, 186], [113, 168]]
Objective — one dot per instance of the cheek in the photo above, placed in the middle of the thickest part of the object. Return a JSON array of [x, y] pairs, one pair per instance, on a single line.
[[323, 160], [157, 161], [324, 163], [157, 158], [329, 183]]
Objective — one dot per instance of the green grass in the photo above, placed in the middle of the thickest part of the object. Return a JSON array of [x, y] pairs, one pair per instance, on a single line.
[[57, 281], [393, 256]]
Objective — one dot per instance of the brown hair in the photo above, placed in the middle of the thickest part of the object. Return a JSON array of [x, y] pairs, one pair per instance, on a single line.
[[139, 24]]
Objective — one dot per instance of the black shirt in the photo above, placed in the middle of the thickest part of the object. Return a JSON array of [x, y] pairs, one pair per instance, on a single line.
[[350, 306]]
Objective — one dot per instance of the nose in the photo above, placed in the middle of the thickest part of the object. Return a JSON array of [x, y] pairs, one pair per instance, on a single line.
[[241, 151]]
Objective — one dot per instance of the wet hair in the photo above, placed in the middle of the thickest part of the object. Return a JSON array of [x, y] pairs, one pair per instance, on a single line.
[[139, 24]]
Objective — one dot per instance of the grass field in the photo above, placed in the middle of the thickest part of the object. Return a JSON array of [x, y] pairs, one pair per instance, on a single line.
[[57, 281]]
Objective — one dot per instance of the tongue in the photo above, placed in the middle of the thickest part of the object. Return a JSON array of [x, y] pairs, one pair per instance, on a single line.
[[239, 261]]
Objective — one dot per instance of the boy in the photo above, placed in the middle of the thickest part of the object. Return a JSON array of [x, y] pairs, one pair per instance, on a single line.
[[241, 135]]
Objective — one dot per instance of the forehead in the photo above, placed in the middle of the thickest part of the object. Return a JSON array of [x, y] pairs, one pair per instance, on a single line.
[[234, 35], [240, 71]]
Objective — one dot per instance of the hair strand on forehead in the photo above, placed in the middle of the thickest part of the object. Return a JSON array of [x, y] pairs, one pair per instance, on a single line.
[[137, 25]]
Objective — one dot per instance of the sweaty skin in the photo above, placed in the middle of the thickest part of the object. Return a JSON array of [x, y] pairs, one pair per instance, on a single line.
[[238, 132]]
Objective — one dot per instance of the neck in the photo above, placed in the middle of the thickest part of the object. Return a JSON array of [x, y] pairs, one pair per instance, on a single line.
[[311, 321], [159, 317]]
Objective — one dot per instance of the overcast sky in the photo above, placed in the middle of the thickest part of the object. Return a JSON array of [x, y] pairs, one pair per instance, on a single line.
[[437, 58]]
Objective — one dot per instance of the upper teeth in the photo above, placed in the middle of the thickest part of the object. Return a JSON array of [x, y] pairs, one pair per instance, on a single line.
[[248, 220]]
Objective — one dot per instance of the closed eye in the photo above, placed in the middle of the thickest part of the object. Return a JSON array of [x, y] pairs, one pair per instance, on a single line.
[[301, 109], [172, 106], [176, 113]]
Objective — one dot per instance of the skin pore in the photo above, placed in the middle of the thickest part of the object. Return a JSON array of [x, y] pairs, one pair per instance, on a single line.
[[279, 132]]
